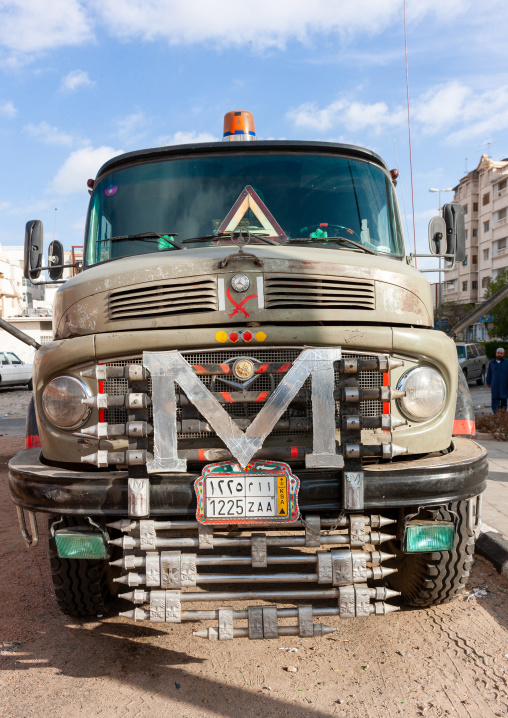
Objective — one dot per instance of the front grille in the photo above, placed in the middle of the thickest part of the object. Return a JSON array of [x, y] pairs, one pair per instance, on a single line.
[[265, 382], [178, 296], [324, 292]]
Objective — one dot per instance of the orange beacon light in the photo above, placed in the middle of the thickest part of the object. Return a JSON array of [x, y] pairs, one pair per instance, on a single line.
[[239, 126]]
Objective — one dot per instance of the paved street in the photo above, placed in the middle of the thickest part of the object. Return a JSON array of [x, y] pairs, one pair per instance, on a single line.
[[495, 498], [447, 660]]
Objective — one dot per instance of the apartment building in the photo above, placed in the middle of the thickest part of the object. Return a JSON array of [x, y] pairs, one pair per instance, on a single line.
[[484, 194]]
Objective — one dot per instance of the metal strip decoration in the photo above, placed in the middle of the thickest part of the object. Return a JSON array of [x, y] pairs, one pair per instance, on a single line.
[[169, 367]]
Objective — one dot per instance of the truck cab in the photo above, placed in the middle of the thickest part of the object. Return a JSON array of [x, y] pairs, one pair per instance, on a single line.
[[245, 389]]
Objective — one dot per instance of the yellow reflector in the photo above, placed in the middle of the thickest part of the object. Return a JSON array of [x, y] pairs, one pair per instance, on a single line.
[[80, 544], [425, 536]]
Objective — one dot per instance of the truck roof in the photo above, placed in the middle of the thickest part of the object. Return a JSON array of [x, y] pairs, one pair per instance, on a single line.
[[259, 146]]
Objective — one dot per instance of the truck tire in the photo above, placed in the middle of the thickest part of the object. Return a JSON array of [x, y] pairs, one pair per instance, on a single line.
[[481, 380], [83, 588], [428, 579]]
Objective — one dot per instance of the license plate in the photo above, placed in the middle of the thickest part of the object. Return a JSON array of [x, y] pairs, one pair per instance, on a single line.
[[264, 492]]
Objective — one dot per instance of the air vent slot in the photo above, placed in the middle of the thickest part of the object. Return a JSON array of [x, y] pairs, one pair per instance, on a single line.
[[294, 292], [188, 295]]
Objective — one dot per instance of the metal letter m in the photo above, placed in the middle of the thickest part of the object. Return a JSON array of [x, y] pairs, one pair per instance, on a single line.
[[169, 367]]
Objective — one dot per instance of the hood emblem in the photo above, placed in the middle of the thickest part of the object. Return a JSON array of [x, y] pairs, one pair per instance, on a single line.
[[243, 369]]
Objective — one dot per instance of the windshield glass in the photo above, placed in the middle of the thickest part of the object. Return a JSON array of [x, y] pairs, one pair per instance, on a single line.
[[285, 197], [461, 352]]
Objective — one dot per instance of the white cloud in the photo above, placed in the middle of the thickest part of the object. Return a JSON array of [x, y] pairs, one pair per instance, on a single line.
[[131, 128], [28, 27], [457, 112], [461, 112], [8, 109], [49, 135], [485, 114], [186, 138], [440, 107], [80, 166], [268, 25], [352, 115], [74, 80], [27, 208]]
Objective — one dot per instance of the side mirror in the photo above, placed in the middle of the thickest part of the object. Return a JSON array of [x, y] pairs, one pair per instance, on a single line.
[[437, 236], [453, 214], [56, 257], [33, 249]]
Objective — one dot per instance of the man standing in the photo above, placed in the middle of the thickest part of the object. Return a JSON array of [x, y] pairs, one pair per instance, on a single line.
[[497, 380]]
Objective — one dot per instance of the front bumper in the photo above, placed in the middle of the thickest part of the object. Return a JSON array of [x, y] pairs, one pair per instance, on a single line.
[[435, 479]]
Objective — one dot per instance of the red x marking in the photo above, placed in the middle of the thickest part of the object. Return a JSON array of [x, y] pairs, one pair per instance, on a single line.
[[238, 307]]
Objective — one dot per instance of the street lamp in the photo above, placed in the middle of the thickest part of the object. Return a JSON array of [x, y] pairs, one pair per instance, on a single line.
[[446, 189], [439, 300]]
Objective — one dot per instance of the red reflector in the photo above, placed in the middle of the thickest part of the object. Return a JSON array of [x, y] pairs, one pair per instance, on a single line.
[[285, 367], [90, 183], [294, 452], [31, 442], [261, 369], [201, 455], [464, 426]]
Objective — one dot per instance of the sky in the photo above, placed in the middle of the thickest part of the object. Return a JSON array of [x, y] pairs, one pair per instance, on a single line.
[[82, 81]]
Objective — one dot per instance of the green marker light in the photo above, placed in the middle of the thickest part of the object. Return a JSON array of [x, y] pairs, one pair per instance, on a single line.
[[80, 544], [426, 536]]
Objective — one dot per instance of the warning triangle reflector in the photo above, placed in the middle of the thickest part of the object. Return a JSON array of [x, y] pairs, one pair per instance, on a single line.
[[249, 199]]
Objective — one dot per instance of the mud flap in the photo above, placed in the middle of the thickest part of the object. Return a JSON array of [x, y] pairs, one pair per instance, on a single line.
[[464, 423], [32, 439]]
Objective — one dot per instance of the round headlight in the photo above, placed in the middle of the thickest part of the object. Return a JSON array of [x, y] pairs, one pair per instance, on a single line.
[[61, 401], [425, 393]]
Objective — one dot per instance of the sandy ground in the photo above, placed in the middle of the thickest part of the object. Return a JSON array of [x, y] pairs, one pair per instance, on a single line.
[[13, 408], [447, 660]]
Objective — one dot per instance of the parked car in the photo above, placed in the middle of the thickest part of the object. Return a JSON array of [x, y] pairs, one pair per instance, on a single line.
[[473, 361], [14, 371]]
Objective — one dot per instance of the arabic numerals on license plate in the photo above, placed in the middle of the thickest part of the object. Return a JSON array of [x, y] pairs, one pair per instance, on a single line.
[[223, 487]]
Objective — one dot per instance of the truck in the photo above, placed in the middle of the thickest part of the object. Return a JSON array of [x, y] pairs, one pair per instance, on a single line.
[[245, 399]]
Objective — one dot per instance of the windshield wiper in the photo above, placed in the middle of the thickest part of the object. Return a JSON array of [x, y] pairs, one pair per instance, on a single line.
[[338, 240], [235, 233], [169, 238]]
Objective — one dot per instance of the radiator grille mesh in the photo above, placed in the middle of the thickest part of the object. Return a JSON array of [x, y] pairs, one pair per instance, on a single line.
[[265, 382]]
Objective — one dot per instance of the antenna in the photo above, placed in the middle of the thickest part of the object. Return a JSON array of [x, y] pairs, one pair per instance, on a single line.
[[401, 188], [54, 225], [409, 131]]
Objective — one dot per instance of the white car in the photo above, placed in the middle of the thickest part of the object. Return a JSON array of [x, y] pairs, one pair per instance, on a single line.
[[14, 371]]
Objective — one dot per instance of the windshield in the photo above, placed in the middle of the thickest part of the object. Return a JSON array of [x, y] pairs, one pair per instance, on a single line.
[[285, 197], [461, 352]]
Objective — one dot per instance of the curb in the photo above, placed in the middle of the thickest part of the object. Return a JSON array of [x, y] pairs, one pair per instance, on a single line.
[[494, 547]]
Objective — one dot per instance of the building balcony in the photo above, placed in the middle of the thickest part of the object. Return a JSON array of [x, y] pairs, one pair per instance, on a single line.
[[498, 174]]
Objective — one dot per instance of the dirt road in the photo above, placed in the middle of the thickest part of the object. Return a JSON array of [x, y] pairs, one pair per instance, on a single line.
[[449, 660]]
